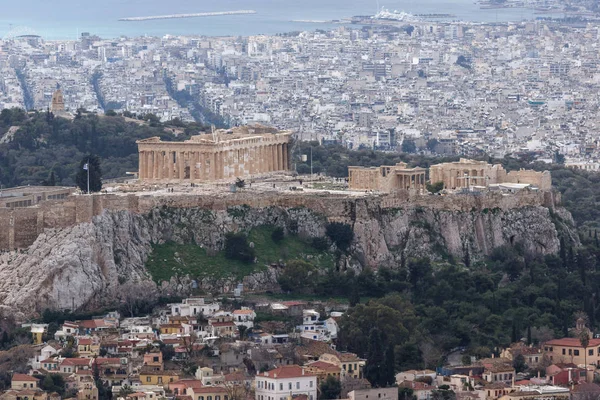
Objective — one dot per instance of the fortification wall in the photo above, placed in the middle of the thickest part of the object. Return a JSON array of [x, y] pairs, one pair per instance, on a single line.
[[22, 226]]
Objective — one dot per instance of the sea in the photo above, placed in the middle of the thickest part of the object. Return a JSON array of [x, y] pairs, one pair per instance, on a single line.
[[67, 19]]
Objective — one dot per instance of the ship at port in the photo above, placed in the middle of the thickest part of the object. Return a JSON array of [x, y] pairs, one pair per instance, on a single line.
[[193, 15]]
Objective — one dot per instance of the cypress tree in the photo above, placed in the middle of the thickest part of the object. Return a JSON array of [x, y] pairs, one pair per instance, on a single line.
[[375, 356]]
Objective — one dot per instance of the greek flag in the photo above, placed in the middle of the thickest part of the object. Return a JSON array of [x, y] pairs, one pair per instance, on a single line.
[[85, 166]]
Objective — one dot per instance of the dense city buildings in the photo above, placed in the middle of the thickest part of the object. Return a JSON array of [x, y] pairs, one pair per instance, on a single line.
[[430, 87]]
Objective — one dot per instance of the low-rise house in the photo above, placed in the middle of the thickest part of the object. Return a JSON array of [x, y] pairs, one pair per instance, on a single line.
[[324, 369], [498, 370], [290, 380], [150, 377], [181, 387], [71, 365], [223, 326], [154, 361], [244, 317], [208, 393], [208, 377], [112, 370], [37, 332], [420, 390], [570, 350], [50, 364], [194, 306], [538, 393], [413, 374], [376, 393], [44, 353], [23, 381], [352, 366], [66, 330], [88, 346]]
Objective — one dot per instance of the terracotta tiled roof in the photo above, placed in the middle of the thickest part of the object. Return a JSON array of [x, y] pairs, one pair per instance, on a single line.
[[76, 361], [190, 383], [572, 342], [325, 366], [287, 371], [415, 385], [24, 378], [210, 389], [243, 312]]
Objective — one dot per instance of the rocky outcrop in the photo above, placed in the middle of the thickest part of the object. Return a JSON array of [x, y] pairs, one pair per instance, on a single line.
[[102, 262]]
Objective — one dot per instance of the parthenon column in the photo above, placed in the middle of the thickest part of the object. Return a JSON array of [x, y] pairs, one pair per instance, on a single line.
[[284, 149], [211, 159], [150, 164], [220, 165], [142, 165], [279, 155], [169, 164], [272, 158], [161, 165]]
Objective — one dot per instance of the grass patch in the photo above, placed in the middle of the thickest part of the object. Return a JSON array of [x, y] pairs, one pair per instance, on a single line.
[[290, 248], [171, 259]]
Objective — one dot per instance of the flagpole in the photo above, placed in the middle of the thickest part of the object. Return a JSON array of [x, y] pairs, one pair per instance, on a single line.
[[88, 176]]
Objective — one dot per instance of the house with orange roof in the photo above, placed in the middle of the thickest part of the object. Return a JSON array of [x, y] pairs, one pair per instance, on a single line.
[[284, 381], [208, 393], [71, 365], [570, 350], [324, 369], [420, 390], [49, 364], [245, 317], [180, 388], [163, 378], [88, 346], [23, 381], [352, 366]]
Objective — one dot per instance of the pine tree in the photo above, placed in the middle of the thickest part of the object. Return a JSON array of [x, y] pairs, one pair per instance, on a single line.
[[529, 334]]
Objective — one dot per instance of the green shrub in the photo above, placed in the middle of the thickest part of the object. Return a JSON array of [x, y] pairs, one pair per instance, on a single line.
[[277, 235], [320, 243], [237, 248], [340, 234]]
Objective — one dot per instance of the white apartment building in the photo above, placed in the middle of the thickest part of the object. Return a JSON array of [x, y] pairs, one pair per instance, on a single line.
[[285, 381], [193, 306]]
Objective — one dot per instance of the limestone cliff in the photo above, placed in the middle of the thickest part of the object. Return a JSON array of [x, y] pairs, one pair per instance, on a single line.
[[101, 262]]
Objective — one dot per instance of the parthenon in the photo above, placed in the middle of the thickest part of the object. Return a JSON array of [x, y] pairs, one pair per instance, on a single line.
[[237, 152]]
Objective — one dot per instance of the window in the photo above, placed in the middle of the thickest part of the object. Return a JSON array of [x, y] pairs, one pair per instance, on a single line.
[[297, 385], [290, 386], [281, 386], [208, 397], [576, 352], [590, 352], [311, 384], [148, 379], [570, 352], [160, 379], [217, 397], [563, 352]]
